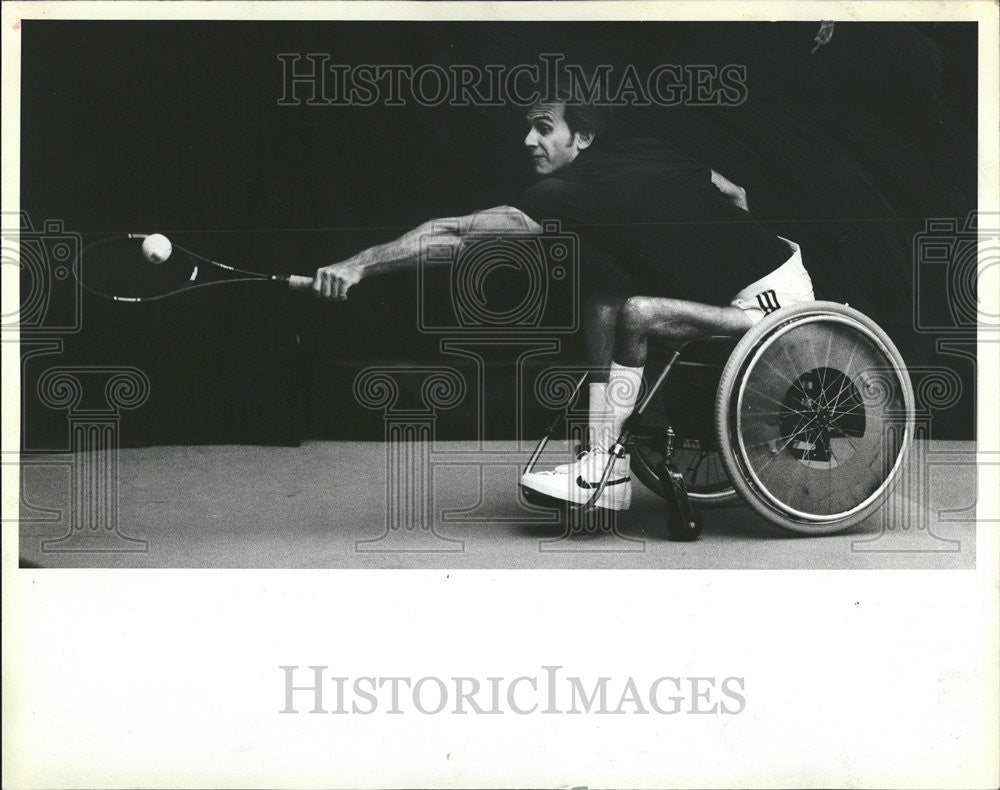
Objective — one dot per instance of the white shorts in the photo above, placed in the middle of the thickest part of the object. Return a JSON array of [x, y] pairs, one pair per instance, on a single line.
[[787, 285]]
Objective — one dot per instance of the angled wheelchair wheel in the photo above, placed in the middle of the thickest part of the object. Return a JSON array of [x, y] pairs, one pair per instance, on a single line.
[[814, 416]]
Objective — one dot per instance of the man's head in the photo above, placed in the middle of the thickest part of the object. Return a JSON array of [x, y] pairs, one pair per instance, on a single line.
[[560, 130]]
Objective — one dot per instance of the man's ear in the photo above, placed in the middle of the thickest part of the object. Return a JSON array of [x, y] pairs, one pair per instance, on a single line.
[[584, 139]]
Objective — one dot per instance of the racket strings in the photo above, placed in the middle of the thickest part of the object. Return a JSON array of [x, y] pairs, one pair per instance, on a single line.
[[251, 275], [116, 269], [187, 288]]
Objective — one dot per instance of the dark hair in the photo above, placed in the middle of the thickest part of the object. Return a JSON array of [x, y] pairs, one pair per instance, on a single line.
[[584, 113], [593, 119]]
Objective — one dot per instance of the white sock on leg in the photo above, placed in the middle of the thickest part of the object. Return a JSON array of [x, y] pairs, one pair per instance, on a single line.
[[599, 416], [622, 394]]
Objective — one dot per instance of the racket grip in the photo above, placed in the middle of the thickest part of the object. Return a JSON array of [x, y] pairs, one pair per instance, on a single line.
[[298, 283]]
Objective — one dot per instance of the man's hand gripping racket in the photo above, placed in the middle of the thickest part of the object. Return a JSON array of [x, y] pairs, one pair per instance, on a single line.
[[333, 282]]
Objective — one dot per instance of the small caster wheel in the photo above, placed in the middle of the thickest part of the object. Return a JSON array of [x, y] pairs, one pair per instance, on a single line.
[[683, 528]]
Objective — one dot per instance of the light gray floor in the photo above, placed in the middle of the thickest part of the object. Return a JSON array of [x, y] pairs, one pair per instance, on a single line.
[[315, 506]]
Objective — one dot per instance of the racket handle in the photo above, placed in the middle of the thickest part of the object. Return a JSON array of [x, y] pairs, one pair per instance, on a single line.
[[298, 283]]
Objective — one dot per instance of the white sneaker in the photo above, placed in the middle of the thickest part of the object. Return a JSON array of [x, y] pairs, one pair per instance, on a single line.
[[564, 468], [576, 482]]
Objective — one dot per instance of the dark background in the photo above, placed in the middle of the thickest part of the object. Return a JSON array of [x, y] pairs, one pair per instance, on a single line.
[[174, 127]]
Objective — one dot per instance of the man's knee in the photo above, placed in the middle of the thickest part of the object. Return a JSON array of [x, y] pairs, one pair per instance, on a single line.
[[639, 314]]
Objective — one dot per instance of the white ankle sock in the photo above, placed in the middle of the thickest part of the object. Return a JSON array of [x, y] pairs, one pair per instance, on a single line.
[[622, 394]]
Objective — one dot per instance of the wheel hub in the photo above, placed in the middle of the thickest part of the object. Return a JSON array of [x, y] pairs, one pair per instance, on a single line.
[[820, 405]]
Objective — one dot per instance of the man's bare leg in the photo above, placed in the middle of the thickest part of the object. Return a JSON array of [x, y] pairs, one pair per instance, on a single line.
[[600, 322], [625, 340], [642, 317]]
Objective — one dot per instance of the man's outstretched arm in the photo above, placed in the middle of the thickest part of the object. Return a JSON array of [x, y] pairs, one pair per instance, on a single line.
[[335, 280]]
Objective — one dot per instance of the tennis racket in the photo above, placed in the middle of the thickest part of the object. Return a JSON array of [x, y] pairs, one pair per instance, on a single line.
[[122, 269]]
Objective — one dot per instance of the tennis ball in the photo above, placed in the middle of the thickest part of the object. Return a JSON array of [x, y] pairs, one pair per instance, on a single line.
[[156, 248]]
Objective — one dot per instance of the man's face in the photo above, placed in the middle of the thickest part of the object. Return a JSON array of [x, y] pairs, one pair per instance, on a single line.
[[550, 142]]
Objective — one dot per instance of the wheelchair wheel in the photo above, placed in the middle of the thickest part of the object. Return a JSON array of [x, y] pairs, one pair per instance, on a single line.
[[704, 474], [814, 415]]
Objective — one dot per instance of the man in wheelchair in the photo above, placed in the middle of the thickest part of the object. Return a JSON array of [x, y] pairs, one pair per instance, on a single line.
[[692, 261], [688, 261]]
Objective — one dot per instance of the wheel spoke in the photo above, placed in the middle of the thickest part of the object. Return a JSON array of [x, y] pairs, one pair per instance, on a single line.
[[782, 413], [768, 397], [695, 465], [824, 439], [791, 439], [825, 368], [845, 386], [829, 454], [793, 364], [848, 412], [800, 428], [845, 381], [781, 374]]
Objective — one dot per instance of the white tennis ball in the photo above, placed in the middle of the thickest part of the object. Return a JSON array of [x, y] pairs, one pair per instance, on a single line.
[[156, 248]]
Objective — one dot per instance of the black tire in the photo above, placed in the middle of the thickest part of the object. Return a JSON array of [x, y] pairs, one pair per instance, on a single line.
[[815, 417]]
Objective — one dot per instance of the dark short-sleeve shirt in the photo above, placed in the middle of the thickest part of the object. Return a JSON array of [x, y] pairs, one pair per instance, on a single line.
[[655, 212]]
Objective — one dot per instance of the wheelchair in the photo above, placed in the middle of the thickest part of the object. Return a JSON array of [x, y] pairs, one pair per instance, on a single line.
[[807, 418]]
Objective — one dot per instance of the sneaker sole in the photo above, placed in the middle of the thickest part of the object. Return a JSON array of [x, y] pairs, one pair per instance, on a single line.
[[552, 499], [552, 503]]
